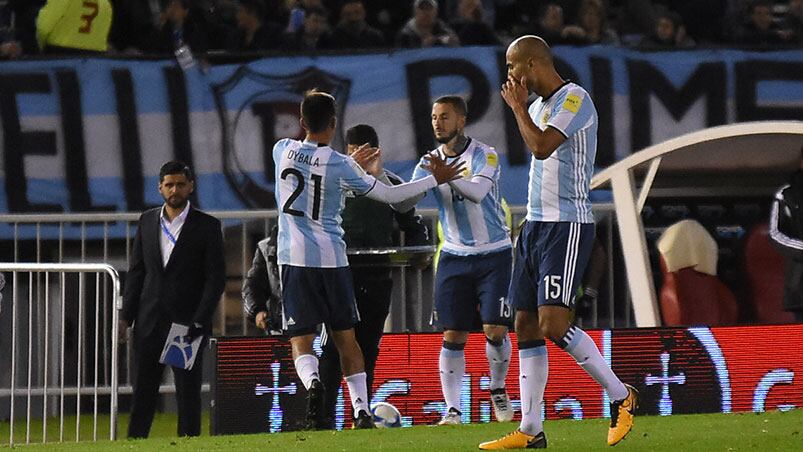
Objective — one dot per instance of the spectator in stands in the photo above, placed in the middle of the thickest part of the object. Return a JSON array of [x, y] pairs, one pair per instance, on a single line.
[[24, 25], [669, 34], [793, 21], [470, 25], [424, 29], [389, 16], [178, 23], [298, 11], [72, 27], [548, 25], [254, 33], [313, 34], [132, 25], [353, 32], [786, 231], [760, 30], [592, 26]]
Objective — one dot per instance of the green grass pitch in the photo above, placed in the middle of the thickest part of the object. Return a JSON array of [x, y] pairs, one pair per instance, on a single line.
[[703, 432]]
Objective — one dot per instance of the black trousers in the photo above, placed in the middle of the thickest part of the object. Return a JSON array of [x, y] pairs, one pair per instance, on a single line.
[[373, 302], [147, 377]]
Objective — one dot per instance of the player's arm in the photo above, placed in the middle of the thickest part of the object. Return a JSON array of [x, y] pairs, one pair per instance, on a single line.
[[48, 17], [474, 189], [542, 143], [355, 179]]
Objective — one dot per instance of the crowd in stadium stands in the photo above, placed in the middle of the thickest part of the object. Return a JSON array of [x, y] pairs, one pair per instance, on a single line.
[[292, 26]]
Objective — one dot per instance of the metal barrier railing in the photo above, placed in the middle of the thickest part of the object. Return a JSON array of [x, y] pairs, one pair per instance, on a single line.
[[59, 332], [107, 237]]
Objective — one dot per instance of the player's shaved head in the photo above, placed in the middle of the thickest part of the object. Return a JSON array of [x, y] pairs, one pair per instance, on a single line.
[[531, 46], [529, 62]]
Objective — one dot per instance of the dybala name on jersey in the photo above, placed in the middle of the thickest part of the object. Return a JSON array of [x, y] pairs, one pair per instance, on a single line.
[[302, 158]]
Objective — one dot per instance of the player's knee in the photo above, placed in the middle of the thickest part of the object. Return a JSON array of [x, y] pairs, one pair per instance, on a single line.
[[552, 330], [495, 334], [455, 337]]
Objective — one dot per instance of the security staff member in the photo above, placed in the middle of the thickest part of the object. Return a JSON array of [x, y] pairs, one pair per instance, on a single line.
[[74, 26]]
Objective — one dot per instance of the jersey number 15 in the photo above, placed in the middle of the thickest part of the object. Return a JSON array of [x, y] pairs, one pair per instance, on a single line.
[[317, 181]]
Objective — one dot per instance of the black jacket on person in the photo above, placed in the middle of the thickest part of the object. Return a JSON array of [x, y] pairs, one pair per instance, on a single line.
[[185, 291], [262, 289], [786, 231]]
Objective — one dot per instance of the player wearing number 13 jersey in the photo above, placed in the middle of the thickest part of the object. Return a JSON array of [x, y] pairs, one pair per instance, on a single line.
[[474, 267], [312, 181]]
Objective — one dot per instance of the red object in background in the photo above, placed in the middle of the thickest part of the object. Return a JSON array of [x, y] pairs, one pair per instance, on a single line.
[[677, 370], [689, 297], [764, 267]]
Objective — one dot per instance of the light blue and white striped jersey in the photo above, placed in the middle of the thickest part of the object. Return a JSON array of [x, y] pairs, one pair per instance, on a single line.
[[559, 184], [471, 228], [311, 187]]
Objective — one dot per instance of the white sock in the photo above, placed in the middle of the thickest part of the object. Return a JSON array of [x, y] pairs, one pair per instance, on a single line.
[[533, 372], [583, 349], [498, 361], [452, 365], [358, 391], [307, 369]]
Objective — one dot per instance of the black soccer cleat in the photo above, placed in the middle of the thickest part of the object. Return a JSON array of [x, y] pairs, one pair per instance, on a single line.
[[315, 410], [364, 420]]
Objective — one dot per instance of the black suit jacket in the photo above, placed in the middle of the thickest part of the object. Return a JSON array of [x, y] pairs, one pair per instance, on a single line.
[[185, 291]]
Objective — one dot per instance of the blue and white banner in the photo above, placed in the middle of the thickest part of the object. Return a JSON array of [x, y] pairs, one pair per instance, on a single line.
[[84, 135]]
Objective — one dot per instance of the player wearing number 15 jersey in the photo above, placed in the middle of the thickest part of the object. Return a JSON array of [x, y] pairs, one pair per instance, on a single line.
[[312, 181], [560, 130], [475, 262]]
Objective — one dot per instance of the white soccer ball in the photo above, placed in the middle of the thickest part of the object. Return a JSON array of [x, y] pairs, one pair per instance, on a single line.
[[385, 415]]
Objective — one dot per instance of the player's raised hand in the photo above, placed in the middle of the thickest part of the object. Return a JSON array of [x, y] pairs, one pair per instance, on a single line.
[[369, 158], [443, 172], [515, 92]]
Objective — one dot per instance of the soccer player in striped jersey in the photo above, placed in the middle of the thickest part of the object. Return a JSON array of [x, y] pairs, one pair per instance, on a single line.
[[560, 129], [475, 261], [312, 180]]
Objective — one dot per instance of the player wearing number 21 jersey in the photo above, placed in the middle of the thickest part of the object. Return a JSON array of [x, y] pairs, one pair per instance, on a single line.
[[312, 181]]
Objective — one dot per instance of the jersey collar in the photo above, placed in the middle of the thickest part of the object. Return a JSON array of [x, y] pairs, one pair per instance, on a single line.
[[565, 82]]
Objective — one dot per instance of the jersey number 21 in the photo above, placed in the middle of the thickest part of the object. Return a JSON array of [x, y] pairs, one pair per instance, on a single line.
[[317, 181]]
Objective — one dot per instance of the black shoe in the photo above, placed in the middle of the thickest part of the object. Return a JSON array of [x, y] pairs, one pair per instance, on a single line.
[[539, 442], [315, 399], [364, 420]]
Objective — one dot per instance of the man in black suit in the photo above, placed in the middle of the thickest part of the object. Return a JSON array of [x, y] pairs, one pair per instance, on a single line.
[[176, 275]]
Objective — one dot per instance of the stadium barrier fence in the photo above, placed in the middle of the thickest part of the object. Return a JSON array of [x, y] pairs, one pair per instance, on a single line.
[[68, 351]]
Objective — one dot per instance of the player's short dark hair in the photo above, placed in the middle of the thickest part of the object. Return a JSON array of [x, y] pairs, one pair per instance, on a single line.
[[255, 7], [361, 134], [457, 102], [176, 167], [318, 110]]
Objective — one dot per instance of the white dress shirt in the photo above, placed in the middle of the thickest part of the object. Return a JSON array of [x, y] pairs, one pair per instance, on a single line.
[[174, 228]]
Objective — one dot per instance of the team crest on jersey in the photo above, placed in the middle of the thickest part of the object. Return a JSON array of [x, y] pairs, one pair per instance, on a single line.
[[255, 111]]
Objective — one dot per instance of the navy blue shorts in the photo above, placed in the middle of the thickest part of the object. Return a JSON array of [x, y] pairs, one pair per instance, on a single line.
[[550, 259], [464, 282], [311, 296]]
